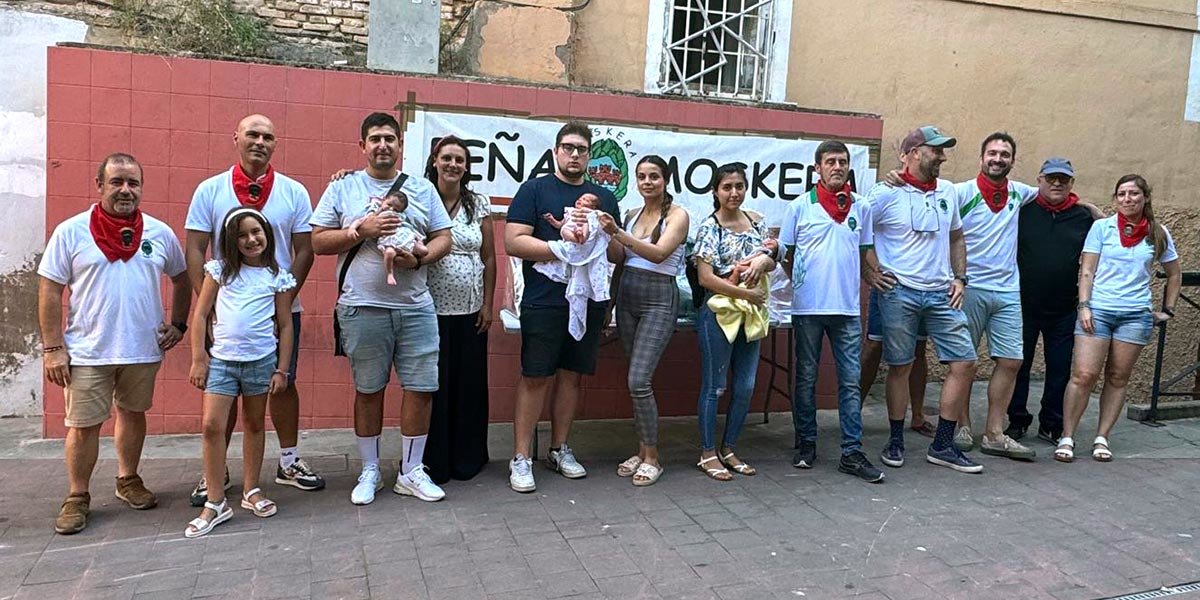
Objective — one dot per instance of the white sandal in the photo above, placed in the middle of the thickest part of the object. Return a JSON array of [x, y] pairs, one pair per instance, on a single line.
[[1065, 452], [629, 467], [742, 469], [714, 473], [1101, 454], [199, 526], [646, 474], [263, 508]]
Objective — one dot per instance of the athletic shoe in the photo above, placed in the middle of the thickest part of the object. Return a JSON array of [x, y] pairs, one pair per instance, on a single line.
[[563, 461], [856, 464], [299, 476], [893, 455], [369, 482], [952, 457], [963, 439], [520, 474], [1049, 434], [1016, 432], [200, 492], [1006, 447], [417, 483], [806, 455]]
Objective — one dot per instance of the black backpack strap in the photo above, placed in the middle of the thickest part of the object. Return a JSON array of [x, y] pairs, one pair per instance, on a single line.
[[341, 280]]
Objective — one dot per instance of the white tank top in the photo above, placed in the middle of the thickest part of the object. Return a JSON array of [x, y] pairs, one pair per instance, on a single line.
[[672, 265]]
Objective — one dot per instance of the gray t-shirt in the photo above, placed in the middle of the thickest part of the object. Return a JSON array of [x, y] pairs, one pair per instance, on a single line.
[[366, 281]]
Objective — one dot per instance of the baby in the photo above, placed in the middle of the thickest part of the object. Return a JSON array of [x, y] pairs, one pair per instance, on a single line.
[[770, 247], [572, 230], [406, 238]]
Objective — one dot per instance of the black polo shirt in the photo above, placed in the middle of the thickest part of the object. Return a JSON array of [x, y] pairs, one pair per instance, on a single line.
[[1048, 249]]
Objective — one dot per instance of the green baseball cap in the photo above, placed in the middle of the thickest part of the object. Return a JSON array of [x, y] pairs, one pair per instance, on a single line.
[[926, 136]]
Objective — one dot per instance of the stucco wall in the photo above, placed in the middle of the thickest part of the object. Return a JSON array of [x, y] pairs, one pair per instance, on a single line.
[[24, 38]]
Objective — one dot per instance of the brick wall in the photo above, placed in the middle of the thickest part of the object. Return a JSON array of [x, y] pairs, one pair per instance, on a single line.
[[176, 116]]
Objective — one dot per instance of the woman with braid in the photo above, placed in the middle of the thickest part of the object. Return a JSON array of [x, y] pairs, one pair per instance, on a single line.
[[647, 300]]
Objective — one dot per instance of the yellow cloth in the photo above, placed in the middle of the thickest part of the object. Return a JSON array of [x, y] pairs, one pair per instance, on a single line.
[[734, 313]]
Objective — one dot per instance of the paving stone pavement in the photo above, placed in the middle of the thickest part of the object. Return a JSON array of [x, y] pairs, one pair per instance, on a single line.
[[1041, 530]]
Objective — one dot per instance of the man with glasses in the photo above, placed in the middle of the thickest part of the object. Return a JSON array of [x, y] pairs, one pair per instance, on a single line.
[[1050, 239], [551, 360], [918, 264]]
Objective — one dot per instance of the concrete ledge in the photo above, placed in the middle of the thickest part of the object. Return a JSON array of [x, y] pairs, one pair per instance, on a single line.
[[1166, 412]]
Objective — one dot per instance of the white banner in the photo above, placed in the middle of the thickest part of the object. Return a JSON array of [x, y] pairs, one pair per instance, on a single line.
[[506, 151]]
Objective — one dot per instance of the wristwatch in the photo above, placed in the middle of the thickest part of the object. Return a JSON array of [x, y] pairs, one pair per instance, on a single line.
[[1169, 311], [965, 279], [181, 326]]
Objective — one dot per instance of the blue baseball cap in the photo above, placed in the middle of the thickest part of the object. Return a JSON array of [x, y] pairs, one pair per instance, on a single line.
[[1057, 165]]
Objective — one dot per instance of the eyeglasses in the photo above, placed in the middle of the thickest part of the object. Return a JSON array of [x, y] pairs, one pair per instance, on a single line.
[[570, 149]]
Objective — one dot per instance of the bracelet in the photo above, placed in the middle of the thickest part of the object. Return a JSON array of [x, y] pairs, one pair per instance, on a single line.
[[278, 372], [1169, 311], [1084, 304], [51, 349]]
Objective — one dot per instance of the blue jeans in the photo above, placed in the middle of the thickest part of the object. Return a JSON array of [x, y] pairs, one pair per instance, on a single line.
[[845, 338], [717, 356], [904, 309]]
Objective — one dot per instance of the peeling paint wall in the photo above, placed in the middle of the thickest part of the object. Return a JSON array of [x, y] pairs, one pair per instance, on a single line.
[[501, 43], [24, 37]]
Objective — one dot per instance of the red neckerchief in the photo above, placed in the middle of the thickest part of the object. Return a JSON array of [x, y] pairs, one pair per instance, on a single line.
[[994, 194], [117, 237], [829, 201], [928, 186], [1132, 233], [242, 187], [1057, 208]]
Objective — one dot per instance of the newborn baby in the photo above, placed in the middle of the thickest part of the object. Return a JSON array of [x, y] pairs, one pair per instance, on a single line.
[[770, 247], [406, 238], [573, 230], [580, 260]]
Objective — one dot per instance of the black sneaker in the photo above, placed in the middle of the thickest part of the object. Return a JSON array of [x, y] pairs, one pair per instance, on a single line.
[[200, 492], [806, 455], [893, 454], [299, 476], [856, 464], [1050, 435], [1016, 432], [952, 457]]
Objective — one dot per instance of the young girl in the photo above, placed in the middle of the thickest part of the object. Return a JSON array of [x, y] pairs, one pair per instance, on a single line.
[[251, 296]]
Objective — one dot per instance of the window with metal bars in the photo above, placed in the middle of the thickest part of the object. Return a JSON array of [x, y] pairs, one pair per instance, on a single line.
[[720, 48]]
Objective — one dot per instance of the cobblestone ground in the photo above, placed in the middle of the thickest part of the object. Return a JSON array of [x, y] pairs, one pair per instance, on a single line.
[[1041, 530]]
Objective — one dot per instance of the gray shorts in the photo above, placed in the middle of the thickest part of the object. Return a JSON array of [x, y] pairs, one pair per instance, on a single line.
[[376, 340]]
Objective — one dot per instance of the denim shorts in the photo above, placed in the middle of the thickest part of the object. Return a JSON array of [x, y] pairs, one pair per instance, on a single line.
[[1129, 326], [236, 377], [998, 315], [875, 320], [376, 340], [904, 309]]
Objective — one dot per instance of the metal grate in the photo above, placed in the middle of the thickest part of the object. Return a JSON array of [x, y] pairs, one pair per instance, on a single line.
[[1161, 592], [719, 48]]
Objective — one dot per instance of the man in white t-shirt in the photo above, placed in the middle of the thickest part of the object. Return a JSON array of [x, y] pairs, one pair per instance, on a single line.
[[112, 257], [383, 326], [253, 182], [918, 264], [824, 231]]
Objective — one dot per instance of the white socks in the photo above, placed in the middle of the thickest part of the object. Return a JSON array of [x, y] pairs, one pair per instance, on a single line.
[[287, 457], [414, 452], [368, 449]]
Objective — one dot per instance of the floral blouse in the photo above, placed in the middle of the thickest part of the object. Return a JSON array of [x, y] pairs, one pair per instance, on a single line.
[[723, 248], [456, 281]]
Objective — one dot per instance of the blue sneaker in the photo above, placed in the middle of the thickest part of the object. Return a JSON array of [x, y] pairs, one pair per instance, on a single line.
[[893, 455], [952, 457]]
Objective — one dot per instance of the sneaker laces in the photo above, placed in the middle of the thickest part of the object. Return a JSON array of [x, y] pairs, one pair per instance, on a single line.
[[367, 473], [301, 467], [419, 477], [521, 465], [565, 454]]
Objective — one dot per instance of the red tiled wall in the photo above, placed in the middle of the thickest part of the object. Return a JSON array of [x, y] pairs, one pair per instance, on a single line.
[[177, 116]]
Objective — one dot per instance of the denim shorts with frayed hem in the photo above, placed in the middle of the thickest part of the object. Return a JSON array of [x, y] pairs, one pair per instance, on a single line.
[[1129, 326], [236, 377]]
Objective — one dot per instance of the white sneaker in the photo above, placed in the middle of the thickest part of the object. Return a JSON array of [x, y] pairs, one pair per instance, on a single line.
[[563, 461], [963, 439], [520, 474], [369, 482], [417, 483]]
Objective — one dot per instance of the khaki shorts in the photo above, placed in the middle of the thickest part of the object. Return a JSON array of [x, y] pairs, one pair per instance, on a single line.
[[93, 390]]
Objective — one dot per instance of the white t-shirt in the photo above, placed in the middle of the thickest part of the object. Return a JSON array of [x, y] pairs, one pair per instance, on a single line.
[[1123, 274], [288, 210], [912, 233], [366, 281], [116, 307], [825, 267], [991, 238], [243, 321]]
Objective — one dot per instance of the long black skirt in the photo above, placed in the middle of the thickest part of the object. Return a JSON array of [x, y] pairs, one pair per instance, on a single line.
[[458, 425]]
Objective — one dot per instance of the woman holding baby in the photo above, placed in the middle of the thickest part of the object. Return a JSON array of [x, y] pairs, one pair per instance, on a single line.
[[733, 257], [647, 300]]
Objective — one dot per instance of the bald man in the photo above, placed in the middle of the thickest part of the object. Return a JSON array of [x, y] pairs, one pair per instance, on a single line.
[[285, 203]]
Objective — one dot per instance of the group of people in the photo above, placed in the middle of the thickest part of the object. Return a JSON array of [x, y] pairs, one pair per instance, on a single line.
[[416, 275]]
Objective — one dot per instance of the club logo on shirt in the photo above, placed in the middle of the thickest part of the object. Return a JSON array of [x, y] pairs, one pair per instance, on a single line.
[[943, 206], [851, 223], [147, 249]]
